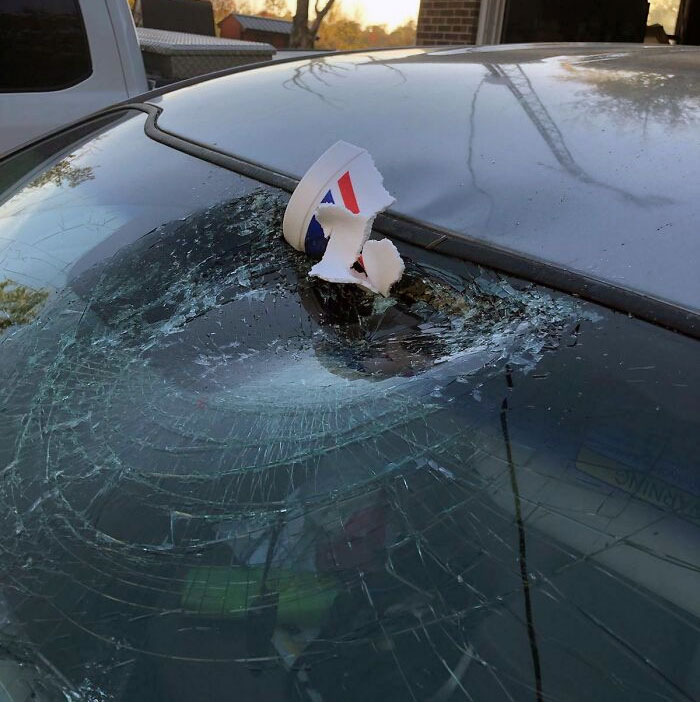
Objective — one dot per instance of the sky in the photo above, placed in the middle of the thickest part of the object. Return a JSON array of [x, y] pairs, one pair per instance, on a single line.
[[389, 12]]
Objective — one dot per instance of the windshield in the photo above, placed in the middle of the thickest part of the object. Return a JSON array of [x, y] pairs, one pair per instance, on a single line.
[[219, 474]]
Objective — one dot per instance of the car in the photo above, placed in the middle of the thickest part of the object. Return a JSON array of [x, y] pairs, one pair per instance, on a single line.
[[63, 60], [224, 478]]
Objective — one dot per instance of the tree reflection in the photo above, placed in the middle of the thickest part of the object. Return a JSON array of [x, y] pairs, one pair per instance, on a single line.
[[324, 70], [64, 173], [519, 83], [19, 304], [669, 97], [316, 70]]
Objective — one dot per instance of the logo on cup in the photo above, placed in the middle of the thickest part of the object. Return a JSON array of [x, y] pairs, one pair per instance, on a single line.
[[342, 191]]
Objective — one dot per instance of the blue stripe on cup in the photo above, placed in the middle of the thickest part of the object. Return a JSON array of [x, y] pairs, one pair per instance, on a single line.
[[315, 242]]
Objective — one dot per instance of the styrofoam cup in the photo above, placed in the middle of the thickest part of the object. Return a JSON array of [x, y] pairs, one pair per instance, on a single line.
[[344, 175]]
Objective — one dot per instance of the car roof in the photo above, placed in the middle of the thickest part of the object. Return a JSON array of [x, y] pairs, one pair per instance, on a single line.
[[577, 155]]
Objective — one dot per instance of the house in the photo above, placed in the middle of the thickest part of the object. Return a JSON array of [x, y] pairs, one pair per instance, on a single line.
[[251, 28], [514, 21]]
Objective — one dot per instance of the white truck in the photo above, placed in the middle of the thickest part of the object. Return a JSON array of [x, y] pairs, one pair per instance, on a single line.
[[61, 60]]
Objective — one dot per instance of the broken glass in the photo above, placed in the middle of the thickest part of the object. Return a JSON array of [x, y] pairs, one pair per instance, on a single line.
[[221, 476]]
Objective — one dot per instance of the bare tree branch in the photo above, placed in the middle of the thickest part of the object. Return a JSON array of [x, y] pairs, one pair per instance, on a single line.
[[304, 32], [320, 14]]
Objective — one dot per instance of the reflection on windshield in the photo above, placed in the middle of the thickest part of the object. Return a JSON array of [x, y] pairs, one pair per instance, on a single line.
[[64, 172], [18, 303], [83, 205], [220, 475]]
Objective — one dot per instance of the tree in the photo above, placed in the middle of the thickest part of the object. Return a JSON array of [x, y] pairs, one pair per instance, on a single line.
[[403, 35], [275, 8], [304, 31], [136, 11], [223, 8], [341, 32]]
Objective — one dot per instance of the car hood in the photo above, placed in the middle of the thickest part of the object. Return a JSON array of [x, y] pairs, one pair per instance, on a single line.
[[582, 156]]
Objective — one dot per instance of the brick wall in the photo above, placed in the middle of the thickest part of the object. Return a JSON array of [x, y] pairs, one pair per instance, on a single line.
[[447, 22]]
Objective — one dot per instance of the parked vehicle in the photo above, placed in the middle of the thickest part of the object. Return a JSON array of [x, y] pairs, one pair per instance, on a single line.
[[222, 477], [62, 60]]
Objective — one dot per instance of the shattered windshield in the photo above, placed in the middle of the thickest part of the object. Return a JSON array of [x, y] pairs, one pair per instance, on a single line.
[[219, 475]]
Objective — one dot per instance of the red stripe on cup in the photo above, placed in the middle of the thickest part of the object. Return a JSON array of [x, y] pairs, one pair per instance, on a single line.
[[348, 193]]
